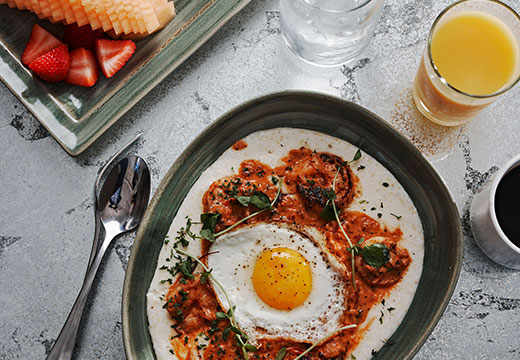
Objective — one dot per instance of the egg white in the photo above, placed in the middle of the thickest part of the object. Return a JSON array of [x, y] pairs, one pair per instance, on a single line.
[[233, 257]]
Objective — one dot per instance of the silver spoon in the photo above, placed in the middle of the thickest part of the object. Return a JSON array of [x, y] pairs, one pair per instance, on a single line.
[[121, 203]]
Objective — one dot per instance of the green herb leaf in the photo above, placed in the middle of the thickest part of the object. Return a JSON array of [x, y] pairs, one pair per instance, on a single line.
[[357, 156], [209, 220], [352, 357], [208, 234], [222, 315], [260, 200], [204, 276], [330, 194], [327, 213], [243, 200], [375, 255], [250, 347], [186, 268], [225, 333], [274, 180], [281, 354]]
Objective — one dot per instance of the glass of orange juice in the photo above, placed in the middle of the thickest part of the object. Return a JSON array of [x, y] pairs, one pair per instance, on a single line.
[[471, 58]]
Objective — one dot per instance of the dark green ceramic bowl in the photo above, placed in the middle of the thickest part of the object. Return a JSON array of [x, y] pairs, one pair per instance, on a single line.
[[336, 117]]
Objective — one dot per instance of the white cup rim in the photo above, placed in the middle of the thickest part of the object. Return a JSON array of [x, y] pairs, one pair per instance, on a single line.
[[499, 176]]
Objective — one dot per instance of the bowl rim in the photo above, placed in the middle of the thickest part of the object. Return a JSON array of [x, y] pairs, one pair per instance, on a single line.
[[315, 96]]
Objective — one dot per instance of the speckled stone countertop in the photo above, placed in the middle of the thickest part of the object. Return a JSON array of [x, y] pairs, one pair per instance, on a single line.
[[46, 215]]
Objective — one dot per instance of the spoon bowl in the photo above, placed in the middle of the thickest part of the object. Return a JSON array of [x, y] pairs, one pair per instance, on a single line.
[[124, 194]]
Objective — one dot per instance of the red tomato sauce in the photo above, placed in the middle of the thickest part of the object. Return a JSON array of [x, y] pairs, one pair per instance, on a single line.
[[305, 173]]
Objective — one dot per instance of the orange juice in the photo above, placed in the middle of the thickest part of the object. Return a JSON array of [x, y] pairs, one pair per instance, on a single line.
[[475, 52], [472, 57]]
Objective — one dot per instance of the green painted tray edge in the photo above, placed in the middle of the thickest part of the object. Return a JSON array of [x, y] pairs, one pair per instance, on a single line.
[[75, 135], [442, 264]]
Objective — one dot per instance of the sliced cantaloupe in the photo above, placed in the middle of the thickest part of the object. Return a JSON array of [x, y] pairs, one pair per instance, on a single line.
[[101, 12], [19, 4], [56, 10], [70, 18], [164, 10], [138, 16], [122, 16], [110, 8], [36, 8], [79, 12], [75, 10], [130, 14], [88, 7], [45, 8], [150, 19]]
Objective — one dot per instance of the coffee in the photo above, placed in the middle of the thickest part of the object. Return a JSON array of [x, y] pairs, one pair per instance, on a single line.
[[507, 205]]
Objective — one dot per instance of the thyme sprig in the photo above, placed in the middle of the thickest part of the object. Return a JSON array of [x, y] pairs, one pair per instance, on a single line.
[[187, 265], [242, 339], [357, 156], [283, 351], [374, 255], [265, 207]]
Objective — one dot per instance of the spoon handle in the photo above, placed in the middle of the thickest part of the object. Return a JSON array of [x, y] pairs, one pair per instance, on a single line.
[[64, 345]]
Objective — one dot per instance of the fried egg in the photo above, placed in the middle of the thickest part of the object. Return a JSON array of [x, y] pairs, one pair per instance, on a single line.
[[284, 283]]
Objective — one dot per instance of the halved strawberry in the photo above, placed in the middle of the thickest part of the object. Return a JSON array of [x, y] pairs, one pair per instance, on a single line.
[[39, 43], [83, 68], [113, 54], [52, 66], [81, 36]]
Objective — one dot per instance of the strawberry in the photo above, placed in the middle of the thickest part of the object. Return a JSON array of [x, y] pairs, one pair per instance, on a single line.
[[39, 43], [113, 54], [83, 68], [52, 66], [81, 36]]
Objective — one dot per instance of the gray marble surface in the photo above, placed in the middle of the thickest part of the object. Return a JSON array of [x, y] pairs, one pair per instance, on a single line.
[[46, 218]]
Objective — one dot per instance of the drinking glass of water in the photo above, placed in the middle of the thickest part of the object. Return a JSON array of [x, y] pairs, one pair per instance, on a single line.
[[328, 32]]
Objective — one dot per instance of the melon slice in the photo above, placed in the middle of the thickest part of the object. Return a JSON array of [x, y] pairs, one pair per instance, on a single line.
[[56, 10], [164, 10], [19, 4], [23, 5], [130, 14], [110, 7], [45, 8], [138, 15], [67, 12], [102, 15], [88, 7], [122, 16], [79, 12], [150, 19], [36, 8], [29, 5]]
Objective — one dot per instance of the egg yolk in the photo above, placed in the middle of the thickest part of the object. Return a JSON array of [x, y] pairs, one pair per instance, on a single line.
[[282, 278]]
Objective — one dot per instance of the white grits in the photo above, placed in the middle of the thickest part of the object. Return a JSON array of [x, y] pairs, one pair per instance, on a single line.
[[269, 147]]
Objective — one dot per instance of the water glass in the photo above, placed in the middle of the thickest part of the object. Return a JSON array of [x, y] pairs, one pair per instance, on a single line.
[[329, 32]]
